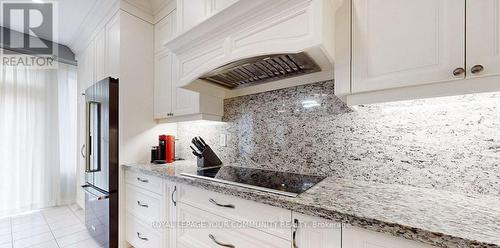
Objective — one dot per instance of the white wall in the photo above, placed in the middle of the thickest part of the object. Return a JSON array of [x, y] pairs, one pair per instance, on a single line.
[[138, 130], [136, 97]]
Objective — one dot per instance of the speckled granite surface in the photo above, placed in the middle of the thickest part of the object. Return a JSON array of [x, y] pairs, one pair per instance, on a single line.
[[436, 217], [448, 143]]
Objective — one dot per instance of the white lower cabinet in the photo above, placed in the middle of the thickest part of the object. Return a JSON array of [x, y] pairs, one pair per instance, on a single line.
[[190, 217], [353, 237], [140, 235], [147, 208], [206, 230], [313, 232]]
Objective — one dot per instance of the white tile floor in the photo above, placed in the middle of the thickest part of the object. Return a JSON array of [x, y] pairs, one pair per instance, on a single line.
[[58, 227]]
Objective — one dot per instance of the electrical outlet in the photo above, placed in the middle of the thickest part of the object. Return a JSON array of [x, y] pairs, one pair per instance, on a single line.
[[223, 140]]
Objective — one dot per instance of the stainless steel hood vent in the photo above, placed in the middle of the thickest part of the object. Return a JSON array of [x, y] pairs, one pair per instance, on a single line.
[[262, 69]]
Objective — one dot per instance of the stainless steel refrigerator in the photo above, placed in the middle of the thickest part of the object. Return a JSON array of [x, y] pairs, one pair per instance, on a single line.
[[101, 162]]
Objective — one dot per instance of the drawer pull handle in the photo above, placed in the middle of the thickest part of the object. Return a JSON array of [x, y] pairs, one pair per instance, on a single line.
[[142, 205], [219, 243], [172, 196], [142, 180], [294, 235], [221, 205], [139, 235]]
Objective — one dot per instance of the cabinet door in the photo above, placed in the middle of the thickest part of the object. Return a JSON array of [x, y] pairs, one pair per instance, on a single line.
[[100, 55], [113, 47], [165, 30], [184, 102], [359, 238], [163, 85], [312, 232], [483, 37], [397, 43], [192, 12], [86, 68]]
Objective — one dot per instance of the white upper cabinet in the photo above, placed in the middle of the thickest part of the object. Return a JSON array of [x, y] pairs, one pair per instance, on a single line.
[[163, 85], [397, 43], [184, 102], [165, 30], [313, 232], [171, 102], [193, 12], [88, 72], [100, 55], [401, 50], [112, 66], [483, 37]]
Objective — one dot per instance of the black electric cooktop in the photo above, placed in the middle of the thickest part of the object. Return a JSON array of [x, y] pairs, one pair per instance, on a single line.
[[284, 183]]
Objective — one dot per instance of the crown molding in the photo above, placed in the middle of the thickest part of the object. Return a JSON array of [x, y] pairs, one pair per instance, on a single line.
[[159, 6], [139, 11], [151, 11], [165, 9]]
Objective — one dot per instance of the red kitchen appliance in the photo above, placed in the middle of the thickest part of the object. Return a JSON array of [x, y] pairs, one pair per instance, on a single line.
[[167, 148]]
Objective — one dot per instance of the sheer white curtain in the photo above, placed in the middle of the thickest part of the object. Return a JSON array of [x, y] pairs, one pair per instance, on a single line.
[[38, 132]]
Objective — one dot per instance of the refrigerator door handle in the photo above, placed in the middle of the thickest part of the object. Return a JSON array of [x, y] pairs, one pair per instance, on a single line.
[[99, 196], [93, 134]]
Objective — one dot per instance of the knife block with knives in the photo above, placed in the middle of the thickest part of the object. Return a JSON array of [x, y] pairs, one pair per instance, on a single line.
[[206, 157]]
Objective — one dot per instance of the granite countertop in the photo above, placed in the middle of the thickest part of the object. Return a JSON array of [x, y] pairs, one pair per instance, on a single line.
[[434, 217]]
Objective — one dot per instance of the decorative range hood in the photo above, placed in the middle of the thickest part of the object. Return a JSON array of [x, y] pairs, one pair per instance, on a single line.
[[257, 45], [262, 69]]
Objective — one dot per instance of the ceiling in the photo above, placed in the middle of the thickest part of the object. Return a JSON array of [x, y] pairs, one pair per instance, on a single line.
[[77, 18], [70, 15]]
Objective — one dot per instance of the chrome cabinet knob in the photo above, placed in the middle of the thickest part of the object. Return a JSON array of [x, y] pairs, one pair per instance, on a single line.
[[459, 71], [477, 69]]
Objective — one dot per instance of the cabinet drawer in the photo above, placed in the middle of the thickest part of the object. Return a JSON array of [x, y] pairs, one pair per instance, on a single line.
[[229, 234], [139, 235], [151, 183], [238, 209], [143, 204]]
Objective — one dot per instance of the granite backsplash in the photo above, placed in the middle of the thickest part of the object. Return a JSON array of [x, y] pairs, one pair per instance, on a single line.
[[450, 143]]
